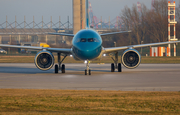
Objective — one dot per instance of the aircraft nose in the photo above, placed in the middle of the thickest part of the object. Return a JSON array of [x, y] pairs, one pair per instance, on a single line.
[[88, 51], [89, 54]]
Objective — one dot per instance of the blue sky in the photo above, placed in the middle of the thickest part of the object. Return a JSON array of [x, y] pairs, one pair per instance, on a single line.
[[63, 8]]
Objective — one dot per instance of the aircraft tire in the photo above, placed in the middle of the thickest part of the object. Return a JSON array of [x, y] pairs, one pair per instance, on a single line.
[[85, 72], [119, 67], [63, 68], [89, 72], [112, 67], [56, 69]]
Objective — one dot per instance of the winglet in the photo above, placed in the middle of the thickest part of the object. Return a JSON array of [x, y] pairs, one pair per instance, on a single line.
[[87, 14]]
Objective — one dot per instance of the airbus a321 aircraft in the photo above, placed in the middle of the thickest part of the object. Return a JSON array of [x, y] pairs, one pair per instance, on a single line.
[[87, 45]]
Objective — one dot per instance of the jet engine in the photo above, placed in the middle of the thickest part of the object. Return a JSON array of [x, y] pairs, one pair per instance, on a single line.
[[131, 58], [44, 60]]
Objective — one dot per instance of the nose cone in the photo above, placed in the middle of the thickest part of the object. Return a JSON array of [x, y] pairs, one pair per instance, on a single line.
[[88, 51]]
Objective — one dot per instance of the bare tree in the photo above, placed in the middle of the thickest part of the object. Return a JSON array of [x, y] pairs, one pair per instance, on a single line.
[[135, 21], [158, 21], [147, 25]]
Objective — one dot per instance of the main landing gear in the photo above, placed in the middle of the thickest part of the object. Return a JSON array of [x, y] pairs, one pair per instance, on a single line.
[[87, 70], [115, 65], [60, 67]]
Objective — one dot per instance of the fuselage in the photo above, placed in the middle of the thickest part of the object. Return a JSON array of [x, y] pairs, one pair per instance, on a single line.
[[87, 44]]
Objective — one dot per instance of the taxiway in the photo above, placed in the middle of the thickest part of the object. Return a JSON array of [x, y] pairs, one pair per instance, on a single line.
[[147, 77]]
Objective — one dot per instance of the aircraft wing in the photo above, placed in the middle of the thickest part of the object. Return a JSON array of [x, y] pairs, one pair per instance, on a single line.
[[62, 34], [105, 34], [116, 49], [60, 50]]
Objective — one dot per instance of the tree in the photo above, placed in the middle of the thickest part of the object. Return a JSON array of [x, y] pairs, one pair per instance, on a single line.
[[147, 26]]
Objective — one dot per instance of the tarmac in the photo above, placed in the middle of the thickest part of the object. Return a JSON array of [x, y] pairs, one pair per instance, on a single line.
[[146, 77]]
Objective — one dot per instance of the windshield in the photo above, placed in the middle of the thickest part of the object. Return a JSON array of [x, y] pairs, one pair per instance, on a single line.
[[83, 40], [90, 40], [87, 40]]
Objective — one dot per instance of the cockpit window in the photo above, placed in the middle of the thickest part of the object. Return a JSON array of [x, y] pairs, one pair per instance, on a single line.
[[87, 40], [83, 40], [90, 40]]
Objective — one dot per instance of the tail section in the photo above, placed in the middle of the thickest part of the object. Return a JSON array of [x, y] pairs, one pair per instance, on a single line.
[[87, 14]]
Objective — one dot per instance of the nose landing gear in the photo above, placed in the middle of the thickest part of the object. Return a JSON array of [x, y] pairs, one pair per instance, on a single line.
[[87, 70]]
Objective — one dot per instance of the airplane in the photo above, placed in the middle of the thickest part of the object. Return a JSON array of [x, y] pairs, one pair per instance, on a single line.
[[87, 45]]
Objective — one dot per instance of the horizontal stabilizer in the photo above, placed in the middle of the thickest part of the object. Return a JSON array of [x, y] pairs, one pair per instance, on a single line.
[[112, 33], [62, 34]]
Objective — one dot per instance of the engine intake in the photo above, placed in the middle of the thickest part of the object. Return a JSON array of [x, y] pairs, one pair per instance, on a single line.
[[44, 60], [131, 58]]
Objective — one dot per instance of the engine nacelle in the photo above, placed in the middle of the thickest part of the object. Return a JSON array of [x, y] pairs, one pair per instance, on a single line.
[[44, 60], [131, 58]]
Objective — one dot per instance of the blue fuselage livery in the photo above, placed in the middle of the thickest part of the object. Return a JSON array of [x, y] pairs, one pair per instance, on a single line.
[[87, 44]]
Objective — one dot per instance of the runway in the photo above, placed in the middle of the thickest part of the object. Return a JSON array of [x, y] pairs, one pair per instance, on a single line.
[[147, 77]]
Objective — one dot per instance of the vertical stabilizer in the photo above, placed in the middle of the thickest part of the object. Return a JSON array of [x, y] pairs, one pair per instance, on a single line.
[[87, 14]]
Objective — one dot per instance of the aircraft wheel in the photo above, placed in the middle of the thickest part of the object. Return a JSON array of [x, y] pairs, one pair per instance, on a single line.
[[85, 72], [119, 67], [56, 69], [112, 67], [63, 68], [89, 72]]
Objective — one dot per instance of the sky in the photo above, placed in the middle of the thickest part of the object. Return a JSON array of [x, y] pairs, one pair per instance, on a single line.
[[63, 8]]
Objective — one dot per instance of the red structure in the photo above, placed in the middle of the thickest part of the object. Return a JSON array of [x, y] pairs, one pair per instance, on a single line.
[[171, 22], [94, 19]]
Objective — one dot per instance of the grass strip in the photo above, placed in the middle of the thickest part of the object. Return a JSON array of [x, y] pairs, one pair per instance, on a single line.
[[107, 59], [31, 101]]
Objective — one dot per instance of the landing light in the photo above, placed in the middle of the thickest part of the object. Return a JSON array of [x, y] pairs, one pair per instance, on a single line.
[[104, 55], [71, 55], [85, 61]]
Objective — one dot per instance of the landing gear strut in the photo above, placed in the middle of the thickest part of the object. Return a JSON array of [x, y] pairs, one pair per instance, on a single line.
[[115, 65], [59, 67], [87, 70]]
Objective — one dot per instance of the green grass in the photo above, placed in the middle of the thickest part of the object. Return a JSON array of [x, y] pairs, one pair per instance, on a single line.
[[107, 59], [27, 101], [173, 60]]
